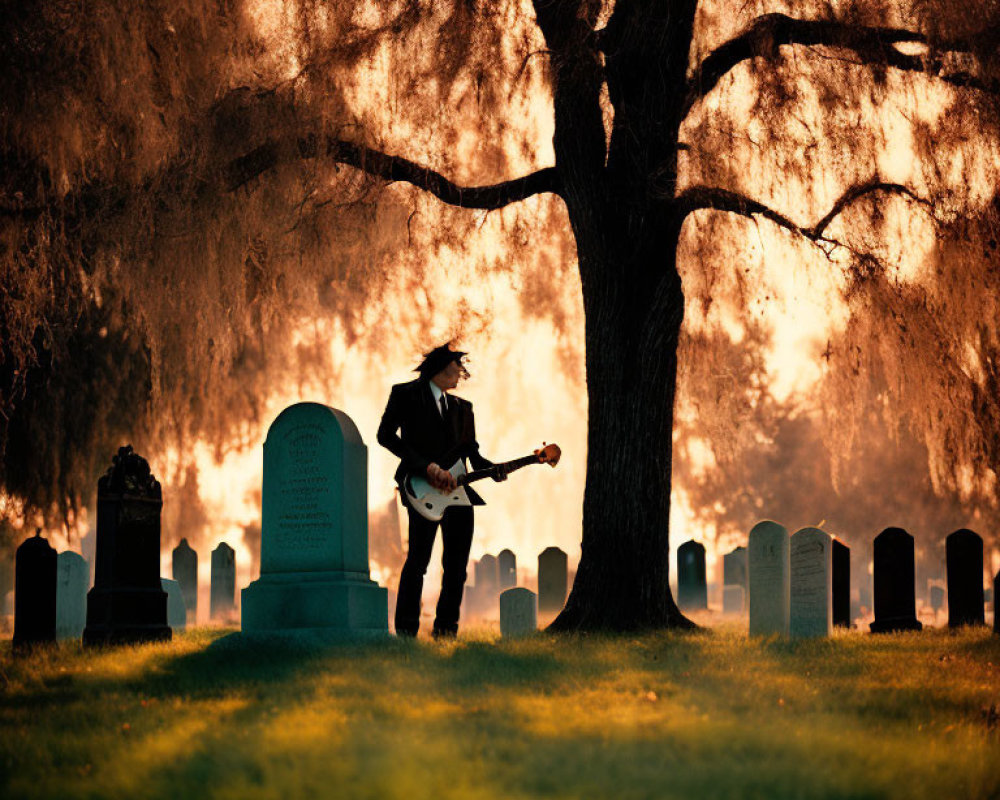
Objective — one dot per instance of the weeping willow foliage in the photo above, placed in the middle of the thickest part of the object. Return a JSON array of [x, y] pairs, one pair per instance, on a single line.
[[143, 298], [158, 277]]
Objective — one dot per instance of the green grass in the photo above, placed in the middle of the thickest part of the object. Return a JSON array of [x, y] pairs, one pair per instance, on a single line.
[[712, 714]]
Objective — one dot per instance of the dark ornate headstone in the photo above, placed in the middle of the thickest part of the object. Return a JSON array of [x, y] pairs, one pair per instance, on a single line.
[[692, 591], [223, 597], [552, 579], [895, 600], [185, 572], [507, 564], [127, 603], [841, 584], [35, 580], [964, 554]]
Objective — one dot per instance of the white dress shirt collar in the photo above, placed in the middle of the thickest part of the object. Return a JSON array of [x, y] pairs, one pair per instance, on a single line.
[[437, 391]]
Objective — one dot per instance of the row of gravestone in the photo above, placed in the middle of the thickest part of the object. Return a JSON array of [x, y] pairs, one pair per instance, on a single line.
[[495, 587], [800, 585], [495, 574], [50, 597], [222, 597]]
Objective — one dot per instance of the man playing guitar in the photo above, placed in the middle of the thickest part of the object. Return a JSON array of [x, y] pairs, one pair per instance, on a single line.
[[428, 429]]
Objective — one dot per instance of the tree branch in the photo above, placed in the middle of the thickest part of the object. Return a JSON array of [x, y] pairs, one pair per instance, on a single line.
[[703, 197], [240, 171], [871, 44]]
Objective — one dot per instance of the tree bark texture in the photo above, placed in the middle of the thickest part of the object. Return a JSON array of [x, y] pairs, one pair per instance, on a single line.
[[619, 197]]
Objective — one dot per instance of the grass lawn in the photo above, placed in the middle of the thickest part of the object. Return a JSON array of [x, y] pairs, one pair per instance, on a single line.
[[711, 714]]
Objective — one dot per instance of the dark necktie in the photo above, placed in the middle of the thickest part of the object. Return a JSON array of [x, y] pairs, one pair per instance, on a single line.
[[444, 406]]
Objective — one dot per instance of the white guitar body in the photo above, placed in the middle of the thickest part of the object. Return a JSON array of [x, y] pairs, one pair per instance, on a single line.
[[428, 502]]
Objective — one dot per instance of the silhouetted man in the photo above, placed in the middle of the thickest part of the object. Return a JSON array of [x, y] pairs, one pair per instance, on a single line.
[[433, 427]]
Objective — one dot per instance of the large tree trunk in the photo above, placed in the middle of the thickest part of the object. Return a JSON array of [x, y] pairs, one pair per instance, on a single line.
[[618, 195], [632, 330]]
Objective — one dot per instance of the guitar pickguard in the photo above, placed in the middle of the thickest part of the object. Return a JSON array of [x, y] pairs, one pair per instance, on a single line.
[[428, 501]]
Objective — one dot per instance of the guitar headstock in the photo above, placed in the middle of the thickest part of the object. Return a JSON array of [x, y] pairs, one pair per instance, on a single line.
[[549, 454]]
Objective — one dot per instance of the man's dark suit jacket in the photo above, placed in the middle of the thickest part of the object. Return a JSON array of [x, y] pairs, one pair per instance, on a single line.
[[424, 437]]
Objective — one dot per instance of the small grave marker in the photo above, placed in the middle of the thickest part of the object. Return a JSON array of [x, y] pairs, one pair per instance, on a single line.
[[518, 612]]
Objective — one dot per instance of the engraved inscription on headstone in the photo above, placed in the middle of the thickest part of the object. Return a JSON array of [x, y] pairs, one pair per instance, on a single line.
[[768, 576], [811, 590]]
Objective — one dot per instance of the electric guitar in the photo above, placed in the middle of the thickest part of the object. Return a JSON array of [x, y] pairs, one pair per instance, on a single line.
[[431, 504]]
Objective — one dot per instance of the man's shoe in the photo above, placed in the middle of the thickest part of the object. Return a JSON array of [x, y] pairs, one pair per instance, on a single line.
[[444, 633]]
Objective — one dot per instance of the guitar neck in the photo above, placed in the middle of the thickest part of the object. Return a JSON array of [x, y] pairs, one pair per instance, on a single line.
[[509, 466]]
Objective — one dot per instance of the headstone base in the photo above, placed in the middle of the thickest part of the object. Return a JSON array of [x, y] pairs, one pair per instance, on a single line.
[[121, 616], [892, 625], [316, 603]]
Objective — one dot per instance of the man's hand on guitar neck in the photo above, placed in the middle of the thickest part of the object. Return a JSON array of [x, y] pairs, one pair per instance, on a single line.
[[441, 479]]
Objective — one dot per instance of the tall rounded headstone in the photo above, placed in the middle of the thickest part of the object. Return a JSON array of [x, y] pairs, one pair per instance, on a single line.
[[314, 575], [964, 553], [507, 565], [552, 580], [692, 590], [518, 612], [734, 568], [127, 603], [184, 562], [487, 584], [223, 595], [35, 579], [71, 595], [811, 583], [895, 599], [768, 576], [841, 584], [936, 594]]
